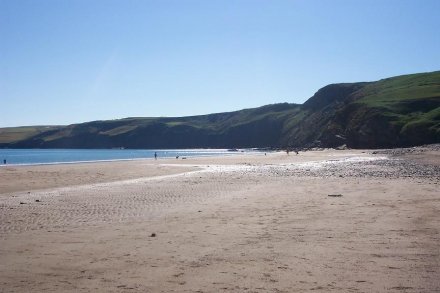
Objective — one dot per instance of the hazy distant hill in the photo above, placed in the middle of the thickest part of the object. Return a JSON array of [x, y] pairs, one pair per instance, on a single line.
[[397, 111]]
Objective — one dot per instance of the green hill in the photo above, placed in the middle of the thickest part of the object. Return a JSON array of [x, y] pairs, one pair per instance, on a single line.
[[14, 134], [393, 112], [398, 111]]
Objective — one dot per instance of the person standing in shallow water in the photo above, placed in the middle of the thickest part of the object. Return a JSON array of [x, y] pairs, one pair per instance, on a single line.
[[155, 155]]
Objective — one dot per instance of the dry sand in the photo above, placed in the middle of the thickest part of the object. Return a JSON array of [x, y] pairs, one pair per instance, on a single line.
[[236, 224]]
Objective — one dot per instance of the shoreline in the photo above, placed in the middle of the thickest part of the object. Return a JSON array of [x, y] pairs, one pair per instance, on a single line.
[[187, 153], [408, 152], [17, 178], [41, 177], [113, 160], [70, 163]]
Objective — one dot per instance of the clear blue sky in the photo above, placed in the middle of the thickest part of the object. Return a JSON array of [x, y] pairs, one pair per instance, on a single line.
[[68, 61]]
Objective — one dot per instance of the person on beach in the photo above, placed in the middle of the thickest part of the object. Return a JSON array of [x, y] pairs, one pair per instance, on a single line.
[[155, 155]]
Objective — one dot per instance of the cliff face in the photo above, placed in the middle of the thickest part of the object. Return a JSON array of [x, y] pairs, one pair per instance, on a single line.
[[394, 112]]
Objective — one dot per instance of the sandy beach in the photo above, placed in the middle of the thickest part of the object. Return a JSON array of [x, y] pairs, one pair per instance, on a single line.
[[320, 221]]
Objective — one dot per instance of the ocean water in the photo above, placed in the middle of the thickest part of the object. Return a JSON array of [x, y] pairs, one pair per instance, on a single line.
[[58, 156]]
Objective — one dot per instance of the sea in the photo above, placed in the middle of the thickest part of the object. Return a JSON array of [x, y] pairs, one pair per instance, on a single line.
[[63, 156]]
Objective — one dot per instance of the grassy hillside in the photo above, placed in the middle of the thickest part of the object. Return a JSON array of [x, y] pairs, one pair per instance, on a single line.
[[15, 134], [410, 103], [397, 111], [246, 128], [391, 92]]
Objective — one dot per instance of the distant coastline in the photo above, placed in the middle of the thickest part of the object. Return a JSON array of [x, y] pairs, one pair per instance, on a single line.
[[401, 111]]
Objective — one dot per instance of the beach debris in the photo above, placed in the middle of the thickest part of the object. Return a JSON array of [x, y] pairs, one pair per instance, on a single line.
[[341, 147], [153, 235], [37, 200], [335, 195], [22, 202]]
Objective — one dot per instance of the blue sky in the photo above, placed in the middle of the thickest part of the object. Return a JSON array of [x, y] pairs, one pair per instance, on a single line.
[[69, 61]]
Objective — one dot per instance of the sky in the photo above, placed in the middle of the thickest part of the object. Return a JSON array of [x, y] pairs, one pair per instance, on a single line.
[[72, 61]]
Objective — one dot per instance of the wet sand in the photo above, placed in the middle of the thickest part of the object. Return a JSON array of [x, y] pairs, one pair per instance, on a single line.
[[28, 178], [236, 224], [31, 178]]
